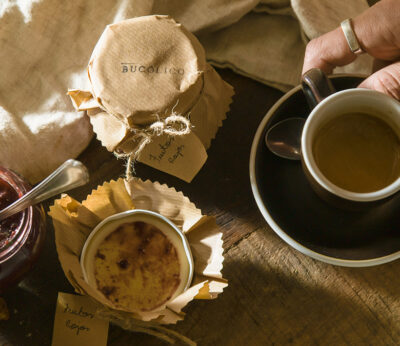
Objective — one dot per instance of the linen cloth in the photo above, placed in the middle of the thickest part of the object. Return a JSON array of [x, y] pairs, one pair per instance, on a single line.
[[45, 46]]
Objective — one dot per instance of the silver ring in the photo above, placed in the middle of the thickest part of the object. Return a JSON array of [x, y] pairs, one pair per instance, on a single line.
[[350, 36]]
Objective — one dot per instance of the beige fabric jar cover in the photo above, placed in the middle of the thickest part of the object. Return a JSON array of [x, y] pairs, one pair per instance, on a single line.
[[154, 98]]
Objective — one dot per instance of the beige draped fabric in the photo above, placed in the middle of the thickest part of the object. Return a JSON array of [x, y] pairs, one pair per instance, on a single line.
[[45, 46]]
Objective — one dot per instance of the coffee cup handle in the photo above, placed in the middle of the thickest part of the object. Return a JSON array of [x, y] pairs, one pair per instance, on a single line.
[[316, 86]]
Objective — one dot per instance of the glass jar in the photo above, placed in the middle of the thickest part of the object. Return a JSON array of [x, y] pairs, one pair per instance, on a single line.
[[21, 235]]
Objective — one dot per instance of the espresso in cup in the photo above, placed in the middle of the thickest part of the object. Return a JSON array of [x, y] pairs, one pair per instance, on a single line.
[[350, 143], [358, 152]]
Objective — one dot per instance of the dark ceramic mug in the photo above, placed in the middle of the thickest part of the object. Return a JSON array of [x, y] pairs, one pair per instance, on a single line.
[[327, 104]]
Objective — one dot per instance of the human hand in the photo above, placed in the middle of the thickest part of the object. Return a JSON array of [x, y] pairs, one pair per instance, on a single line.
[[378, 33]]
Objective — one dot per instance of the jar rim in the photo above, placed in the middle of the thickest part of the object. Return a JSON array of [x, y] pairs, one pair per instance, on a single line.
[[17, 240]]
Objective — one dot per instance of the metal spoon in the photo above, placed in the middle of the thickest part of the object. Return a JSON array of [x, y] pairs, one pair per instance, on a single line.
[[284, 138], [69, 175]]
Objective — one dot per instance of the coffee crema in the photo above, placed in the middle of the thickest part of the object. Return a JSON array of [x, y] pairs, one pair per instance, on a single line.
[[358, 152]]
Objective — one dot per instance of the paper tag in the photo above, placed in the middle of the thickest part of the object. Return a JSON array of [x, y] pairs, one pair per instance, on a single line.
[[181, 156], [75, 323]]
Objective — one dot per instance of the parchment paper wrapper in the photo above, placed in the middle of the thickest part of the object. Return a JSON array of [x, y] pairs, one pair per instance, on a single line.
[[73, 222], [146, 74]]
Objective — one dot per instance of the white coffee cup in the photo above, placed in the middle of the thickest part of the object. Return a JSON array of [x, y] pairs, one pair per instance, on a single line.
[[329, 104]]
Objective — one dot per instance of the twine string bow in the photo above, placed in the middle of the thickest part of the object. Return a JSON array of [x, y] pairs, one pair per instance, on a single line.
[[173, 125]]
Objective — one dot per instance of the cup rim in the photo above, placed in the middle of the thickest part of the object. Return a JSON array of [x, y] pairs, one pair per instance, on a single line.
[[308, 159], [268, 217]]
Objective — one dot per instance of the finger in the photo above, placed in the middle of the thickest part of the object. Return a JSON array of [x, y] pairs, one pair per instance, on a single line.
[[375, 31], [386, 80], [328, 51]]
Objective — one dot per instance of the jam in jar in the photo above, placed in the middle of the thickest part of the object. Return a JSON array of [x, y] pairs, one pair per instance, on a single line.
[[21, 235]]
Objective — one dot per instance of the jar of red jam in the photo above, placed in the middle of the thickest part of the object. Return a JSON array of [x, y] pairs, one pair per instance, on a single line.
[[21, 235]]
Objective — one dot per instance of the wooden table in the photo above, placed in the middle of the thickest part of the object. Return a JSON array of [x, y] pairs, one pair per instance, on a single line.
[[276, 295]]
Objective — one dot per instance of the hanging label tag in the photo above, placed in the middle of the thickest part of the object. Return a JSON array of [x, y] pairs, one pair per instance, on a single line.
[[75, 323], [181, 156]]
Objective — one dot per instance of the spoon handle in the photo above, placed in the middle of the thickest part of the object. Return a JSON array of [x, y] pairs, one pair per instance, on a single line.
[[69, 175]]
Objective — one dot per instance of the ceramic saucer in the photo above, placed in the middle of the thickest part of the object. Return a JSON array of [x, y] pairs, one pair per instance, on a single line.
[[301, 218]]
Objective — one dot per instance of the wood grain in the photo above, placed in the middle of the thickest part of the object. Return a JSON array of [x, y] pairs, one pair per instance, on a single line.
[[276, 296]]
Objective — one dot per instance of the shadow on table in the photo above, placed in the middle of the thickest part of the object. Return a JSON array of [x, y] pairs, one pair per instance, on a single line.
[[383, 280], [264, 306], [31, 319]]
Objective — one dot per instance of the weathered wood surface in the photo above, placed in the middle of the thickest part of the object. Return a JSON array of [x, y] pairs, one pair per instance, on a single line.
[[276, 295]]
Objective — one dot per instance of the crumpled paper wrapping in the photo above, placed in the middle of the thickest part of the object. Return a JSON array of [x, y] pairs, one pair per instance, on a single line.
[[153, 96], [73, 222]]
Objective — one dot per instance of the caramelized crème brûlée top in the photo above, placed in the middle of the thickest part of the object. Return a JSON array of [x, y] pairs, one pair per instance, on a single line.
[[137, 267]]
